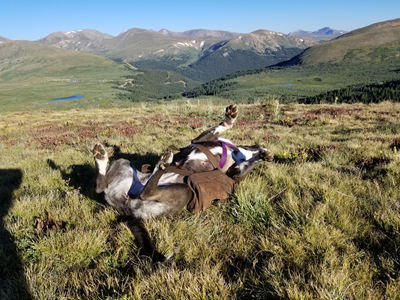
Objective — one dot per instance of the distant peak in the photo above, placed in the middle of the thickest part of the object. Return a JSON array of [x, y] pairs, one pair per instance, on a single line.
[[323, 33]]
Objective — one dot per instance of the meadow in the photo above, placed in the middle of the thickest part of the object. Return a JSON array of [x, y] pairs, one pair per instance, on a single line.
[[320, 222], [32, 75]]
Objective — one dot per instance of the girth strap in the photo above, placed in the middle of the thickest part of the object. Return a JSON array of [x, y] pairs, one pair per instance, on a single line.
[[209, 155], [224, 152]]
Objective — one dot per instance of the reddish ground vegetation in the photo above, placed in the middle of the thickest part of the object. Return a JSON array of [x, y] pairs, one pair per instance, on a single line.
[[271, 138], [376, 139], [386, 113], [396, 143], [369, 163], [243, 137], [254, 124], [5, 139], [334, 112], [316, 152], [49, 136], [43, 226]]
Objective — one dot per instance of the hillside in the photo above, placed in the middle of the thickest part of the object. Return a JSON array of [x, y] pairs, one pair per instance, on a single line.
[[133, 44], [137, 44], [374, 42], [31, 75], [22, 59], [3, 40], [149, 85]]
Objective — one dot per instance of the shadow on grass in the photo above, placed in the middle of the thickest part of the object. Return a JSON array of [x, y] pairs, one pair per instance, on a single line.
[[83, 176], [382, 245], [136, 159], [242, 265], [12, 279]]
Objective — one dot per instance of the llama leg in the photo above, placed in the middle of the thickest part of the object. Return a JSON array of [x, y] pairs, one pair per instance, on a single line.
[[101, 160], [174, 196], [119, 171], [212, 134], [150, 191], [239, 171]]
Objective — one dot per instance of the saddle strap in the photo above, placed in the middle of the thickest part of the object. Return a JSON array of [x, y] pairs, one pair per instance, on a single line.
[[176, 170], [209, 155], [224, 152]]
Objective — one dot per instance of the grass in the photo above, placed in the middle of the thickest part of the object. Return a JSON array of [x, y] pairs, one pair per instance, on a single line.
[[32, 75], [320, 222], [311, 80]]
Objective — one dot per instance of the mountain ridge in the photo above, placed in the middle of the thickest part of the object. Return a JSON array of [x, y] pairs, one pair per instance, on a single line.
[[4, 40], [86, 40], [199, 54], [364, 44], [201, 33], [214, 57]]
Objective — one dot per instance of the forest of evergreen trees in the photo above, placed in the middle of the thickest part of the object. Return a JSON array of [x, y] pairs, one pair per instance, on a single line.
[[324, 83], [146, 85], [209, 89], [215, 64], [372, 93]]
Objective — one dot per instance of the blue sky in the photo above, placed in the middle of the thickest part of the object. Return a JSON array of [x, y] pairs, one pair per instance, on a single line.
[[35, 19]]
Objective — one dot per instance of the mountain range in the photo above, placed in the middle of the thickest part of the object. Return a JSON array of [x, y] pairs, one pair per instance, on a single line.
[[199, 54], [30, 71], [369, 55]]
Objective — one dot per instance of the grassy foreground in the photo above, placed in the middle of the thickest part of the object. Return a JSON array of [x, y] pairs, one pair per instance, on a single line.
[[320, 222]]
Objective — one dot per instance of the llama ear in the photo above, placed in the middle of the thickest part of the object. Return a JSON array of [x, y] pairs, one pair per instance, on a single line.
[[175, 148], [147, 168]]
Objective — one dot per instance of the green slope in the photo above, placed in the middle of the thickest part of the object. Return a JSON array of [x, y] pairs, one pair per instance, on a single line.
[[31, 75], [23, 59], [374, 42]]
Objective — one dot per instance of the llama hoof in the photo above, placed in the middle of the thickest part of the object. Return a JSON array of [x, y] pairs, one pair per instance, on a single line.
[[165, 160], [99, 153], [231, 115], [266, 155], [100, 158]]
